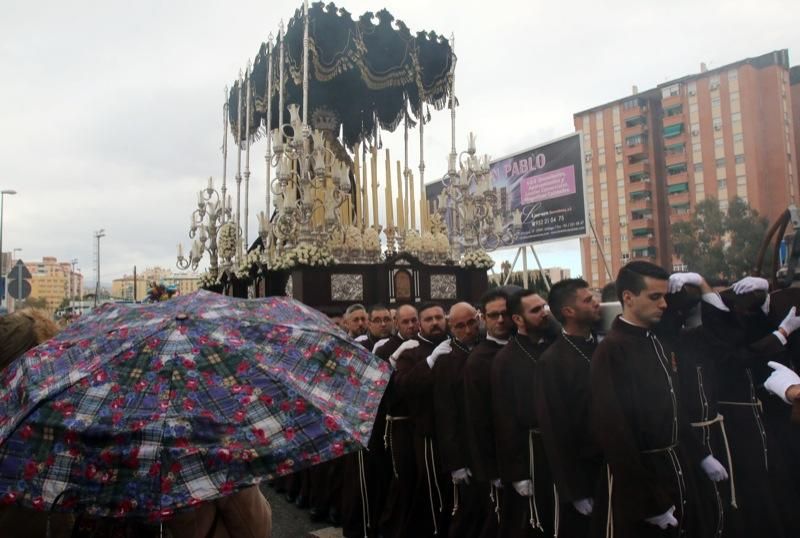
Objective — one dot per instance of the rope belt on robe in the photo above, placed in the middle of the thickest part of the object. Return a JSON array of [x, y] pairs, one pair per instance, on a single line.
[[534, 521], [428, 442], [758, 410], [676, 468], [387, 439], [609, 510], [362, 482], [494, 497], [719, 419]]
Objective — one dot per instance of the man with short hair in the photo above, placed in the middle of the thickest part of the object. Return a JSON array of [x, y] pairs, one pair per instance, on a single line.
[[562, 404], [379, 326], [407, 325], [528, 504], [448, 361], [478, 405], [414, 385], [355, 318], [637, 417]]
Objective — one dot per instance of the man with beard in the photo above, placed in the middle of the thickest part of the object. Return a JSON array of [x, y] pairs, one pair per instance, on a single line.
[[637, 416], [469, 510], [396, 467], [407, 325], [528, 504], [562, 405], [414, 385], [478, 406], [355, 319], [379, 326]]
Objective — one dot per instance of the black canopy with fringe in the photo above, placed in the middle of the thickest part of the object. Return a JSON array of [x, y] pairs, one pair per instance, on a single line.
[[361, 70]]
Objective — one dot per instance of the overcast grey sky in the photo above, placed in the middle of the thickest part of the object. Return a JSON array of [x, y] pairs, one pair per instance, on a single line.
[[112, 111]]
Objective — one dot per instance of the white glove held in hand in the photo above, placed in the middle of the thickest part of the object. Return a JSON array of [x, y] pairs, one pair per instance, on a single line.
[[461, 476], [497, 483], [791, 322], [524, 488], [678, 280], [584, 506], [667, 519], [714, 469], [443, 348], [780, 380], [750, 283], [408, 344]]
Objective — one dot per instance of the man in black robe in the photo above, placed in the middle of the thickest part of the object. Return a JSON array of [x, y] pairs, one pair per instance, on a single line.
[[393, 432], [528, 493], [414, 386], [562, 405], [478, 405], [380, 326], [469, 510], [637, 417]]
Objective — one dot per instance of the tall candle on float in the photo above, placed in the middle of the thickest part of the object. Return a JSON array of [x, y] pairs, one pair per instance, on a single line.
[[374, 166], [388, 192], [357, 193], [411, 203], [364, 191], [401, 212]]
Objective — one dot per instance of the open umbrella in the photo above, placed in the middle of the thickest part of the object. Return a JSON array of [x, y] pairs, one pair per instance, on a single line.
[[142, 410]]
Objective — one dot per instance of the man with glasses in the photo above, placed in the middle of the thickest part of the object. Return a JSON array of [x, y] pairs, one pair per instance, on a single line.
[[355, 318], [447, 362], [379, 326], [478, 405]]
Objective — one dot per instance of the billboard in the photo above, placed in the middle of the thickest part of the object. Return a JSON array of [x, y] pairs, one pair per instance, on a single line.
[[544, 186]]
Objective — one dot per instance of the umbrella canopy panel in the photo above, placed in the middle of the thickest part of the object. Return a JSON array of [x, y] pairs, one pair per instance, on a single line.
[[364, 70], [142, 410]]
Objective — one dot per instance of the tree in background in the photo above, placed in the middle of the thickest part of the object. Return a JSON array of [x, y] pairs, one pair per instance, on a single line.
[[33, 302], [719, 244]]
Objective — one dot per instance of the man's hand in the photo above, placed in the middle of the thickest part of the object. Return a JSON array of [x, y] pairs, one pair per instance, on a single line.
[[714, 469], [408, 344], [524, 488], [461, 476], [790, 323], [678, 280], [667, 519], [584, 506], [497, 483], [781, 381], [750, 283], [443, 348]]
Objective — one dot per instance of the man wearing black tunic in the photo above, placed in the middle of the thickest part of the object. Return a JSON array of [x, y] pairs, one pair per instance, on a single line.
[[478, 406], [469, 510], [379, 326], [397, 443], [528, 493], [637, 418], [414, 385], [562, 405]]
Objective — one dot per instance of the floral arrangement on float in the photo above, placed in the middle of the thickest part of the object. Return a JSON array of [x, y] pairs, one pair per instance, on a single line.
[[477, 259], [303, 254]]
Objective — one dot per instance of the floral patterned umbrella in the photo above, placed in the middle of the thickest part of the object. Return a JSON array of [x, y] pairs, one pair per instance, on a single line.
[[142, 410]]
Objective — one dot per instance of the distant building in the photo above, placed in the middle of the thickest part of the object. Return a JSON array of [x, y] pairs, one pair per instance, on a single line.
[[123, 288], [650, 157], [54, 281]]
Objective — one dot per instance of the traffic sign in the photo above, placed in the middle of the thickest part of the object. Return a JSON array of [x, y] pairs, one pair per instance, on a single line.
[[18, 286], [19, 272]]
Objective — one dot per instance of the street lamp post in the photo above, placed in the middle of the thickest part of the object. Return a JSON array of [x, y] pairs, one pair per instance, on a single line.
[[97, 235], [72, 288], [2, 268]]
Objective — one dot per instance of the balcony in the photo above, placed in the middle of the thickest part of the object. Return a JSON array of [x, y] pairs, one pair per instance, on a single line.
[[643, 242], [643, 253], [641, 223], [672, 131], [679, 217], [636, 149], [638, 167], [678, 179], [640, 204], [678, 198], [638, 189], [673, 157]]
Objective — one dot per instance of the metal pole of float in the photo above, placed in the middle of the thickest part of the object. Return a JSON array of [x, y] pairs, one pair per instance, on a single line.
[[541, 271]]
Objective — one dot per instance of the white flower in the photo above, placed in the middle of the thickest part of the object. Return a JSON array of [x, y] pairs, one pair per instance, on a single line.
[[478, 259], [226, 240]]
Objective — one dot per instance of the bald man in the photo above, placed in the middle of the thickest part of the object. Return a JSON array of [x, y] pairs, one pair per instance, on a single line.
[[449, 358], [407, 325]]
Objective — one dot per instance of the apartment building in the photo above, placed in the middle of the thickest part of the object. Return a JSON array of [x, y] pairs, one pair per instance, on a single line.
[[652, 156], [54, 281]]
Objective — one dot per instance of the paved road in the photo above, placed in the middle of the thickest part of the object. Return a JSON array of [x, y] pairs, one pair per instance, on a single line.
[[288, 521]]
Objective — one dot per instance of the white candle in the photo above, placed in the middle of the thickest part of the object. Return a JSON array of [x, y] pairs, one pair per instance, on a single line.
[[210, 184], [180, 251]]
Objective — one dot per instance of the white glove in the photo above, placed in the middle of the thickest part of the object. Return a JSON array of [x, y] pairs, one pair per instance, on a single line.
[[443, 348], [780, 380], [379, 344], [714, 469], [667, 519], [524, 488], [461, 476], [408, 344], [678, 280], [584, 506], [750, 283], [791, 322], [497, 483]]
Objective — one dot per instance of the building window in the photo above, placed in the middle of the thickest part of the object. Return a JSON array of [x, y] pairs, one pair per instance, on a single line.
[[739, 159], [633, 121], [698, 167], [738, 137], [635, 140], [678, 188], [674, 110], [722, 184], [671, 91], [741, 180], [676, 169], [736, 116], [721, 163], [715, 102], [671, 131]]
